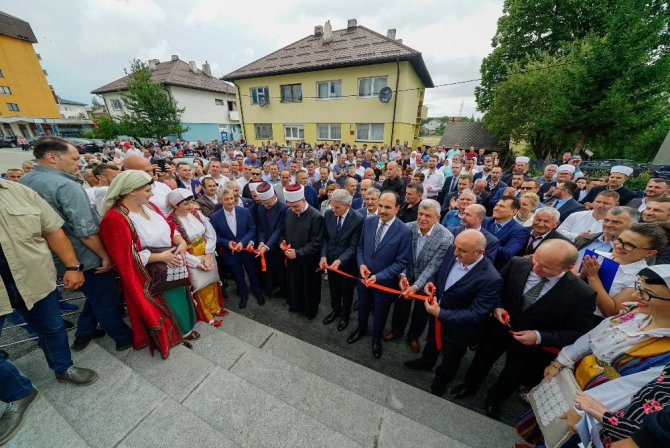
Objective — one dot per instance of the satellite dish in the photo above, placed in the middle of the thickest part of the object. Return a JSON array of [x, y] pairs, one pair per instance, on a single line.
[[385, 94], [262, 102]]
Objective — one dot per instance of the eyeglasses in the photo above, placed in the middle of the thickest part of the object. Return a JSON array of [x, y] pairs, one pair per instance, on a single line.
[[646, 295], [628, 247], [526, 188], [255, 174]]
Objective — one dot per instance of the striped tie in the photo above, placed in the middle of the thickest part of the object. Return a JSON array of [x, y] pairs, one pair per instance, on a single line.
[[533, 293], [380, 232]]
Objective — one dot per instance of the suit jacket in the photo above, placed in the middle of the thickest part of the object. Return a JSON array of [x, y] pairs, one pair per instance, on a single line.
[[584, 240], [562, 315], [550, 236], [492, 243], [570, 207], [392, 255], [312, 197], [206, 206], [625, 195], [364, 212], [245, 232], [450, 184], [420, 270], [343, 245], [512, 237], [194, 184], [634, 203], [467, 303], [357, 203]]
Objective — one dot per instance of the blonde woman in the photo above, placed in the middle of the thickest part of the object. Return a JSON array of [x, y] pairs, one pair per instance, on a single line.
[[525, 215]]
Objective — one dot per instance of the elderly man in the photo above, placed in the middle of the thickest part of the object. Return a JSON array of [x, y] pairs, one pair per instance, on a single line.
[[342, 231], [351, 185], [544, 305], [55, 179], [450, 200], [27, 166], [618, 176], [520, 167], [550, 172], [657, 187], [409, 210], [466, 287], [383, 253], [270, 222], [285, 181], [453, 217], [589, 221], [430, 242], [14, 174], [543, 229], [303, 235], [371, 203], [393, 181], [511, 234], [616, 221]]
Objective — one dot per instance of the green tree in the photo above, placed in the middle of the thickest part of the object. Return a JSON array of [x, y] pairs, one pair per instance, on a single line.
[[152, 111]]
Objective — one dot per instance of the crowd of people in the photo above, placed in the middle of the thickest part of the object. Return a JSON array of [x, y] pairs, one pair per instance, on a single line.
[[434, 242]]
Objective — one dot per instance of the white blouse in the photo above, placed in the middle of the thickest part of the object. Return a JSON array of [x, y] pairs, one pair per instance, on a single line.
[[611, 337], [195, 229], [152, 232]]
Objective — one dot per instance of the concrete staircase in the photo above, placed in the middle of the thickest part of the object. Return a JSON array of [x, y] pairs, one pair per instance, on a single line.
[[243, 385]]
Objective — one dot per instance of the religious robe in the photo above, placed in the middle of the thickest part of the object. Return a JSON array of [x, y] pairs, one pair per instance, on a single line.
[[304, 232]]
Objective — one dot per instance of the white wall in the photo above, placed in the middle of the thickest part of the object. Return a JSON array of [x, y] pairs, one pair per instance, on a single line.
[[108, 97], [200, 105], [71, 111]]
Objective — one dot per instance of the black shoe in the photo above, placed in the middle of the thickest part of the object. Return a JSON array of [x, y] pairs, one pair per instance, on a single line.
[[260, 299], [439, 387], [356, 335], [81, 342], [343, 323], [243, 303], [462, 391], [123, 345], [418, 364], [493, 411], [68, 324], [330, 318], [377, 348], [12, 419]]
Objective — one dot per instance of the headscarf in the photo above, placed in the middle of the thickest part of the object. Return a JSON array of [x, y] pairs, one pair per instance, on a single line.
[[176, 196], [123, 184]]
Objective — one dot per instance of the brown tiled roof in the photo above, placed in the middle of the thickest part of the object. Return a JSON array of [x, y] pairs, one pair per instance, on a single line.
[[175, 73], [349, 47], [15, 27], [469, 134]]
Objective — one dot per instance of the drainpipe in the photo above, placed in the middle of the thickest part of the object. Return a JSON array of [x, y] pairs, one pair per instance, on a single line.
[[239, 106], [395, 100]]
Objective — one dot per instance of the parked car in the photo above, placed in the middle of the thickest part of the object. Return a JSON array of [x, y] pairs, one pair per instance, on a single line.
[[84, 146], [8, 141], [662, 171], [607, 164]]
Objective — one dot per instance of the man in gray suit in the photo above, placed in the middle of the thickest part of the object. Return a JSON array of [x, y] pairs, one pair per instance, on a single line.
[[430, 241]]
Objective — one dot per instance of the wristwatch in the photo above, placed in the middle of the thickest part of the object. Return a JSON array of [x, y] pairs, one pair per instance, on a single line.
[[79, 267]]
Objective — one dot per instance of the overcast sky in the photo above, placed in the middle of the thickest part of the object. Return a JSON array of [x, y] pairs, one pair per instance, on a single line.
[[85, 44]]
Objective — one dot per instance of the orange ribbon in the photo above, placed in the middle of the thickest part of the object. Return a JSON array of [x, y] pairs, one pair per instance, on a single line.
[[285, 246], [259, 253]]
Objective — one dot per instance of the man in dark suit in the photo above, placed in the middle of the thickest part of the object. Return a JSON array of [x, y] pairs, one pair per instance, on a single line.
[[430, 241], [342, 232], [236, 231], [450, 182], [185, 179], [543, 229], [394, 181], [271, 215], [511, 235], [542, 305], [467, 288], [618, 176], [383, 253], [311, 195], [472, 218], [563, 200]]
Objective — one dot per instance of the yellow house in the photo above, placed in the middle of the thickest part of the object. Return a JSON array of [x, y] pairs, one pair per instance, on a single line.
[[352, 86], [27, 103]]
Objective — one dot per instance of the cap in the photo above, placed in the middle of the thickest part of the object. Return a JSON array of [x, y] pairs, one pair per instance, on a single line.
[[522, 159], [625, 170], [568, 168], [425, 158], [176, 196], [658, 274], [294, 193], [264, 191]]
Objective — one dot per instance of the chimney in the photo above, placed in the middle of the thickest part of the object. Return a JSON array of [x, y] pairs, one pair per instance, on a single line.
[[390, 33], [206, 69], [175, 57], [192, 66], [318, 31], [327, 33], [351, 24], [152, 64]]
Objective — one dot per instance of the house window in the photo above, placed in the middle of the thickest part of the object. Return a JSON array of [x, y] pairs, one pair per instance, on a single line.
[[370, 132], [260, 95], [263, 131], [218, 102], [328, 89], [369, 87], [291, 93], [232, 106], [328, 131], [294, 131], [13, 107], [116, 104], [5, 90]]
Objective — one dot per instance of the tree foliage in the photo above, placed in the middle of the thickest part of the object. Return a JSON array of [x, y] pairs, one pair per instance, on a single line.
[[606, 88], [152, 111]]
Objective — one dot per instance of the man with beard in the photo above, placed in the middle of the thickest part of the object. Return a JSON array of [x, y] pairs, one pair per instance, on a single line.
[[271, 217]]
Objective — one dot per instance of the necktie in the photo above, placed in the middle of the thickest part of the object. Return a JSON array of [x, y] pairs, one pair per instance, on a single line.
[[533, 293], [339, 224], [378, 235], [531, 244], [497, 228]]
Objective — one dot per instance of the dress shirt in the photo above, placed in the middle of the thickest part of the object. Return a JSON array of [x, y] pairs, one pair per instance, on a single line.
[[341, 218], [231, 220], [579, 222], [558, 203], [435, 180], [458, 271], [534, 279], [598, 245], [643, 205], [501, 224], [534, 240], [421, 241], [386, 228]]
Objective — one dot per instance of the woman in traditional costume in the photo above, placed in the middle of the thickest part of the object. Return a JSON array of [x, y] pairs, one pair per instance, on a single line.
[[130, 227], [634, 345], [200, 236]]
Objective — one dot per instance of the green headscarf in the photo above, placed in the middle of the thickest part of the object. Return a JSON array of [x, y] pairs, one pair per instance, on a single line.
[[123, 184]]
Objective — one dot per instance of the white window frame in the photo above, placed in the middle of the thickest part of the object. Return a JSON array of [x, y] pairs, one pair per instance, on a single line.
[[6, 90], [375, 81], [331, 127], [369, 132], [13, 107], [115, 102], [330, 84], [264, 125], [259, 91], [295, 130]]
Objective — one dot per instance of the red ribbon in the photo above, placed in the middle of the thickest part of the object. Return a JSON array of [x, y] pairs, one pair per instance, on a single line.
[[250, 250], [285, 246]]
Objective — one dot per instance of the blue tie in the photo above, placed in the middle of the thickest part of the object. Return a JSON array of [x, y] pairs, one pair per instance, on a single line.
[[497, 228], [339, 224]]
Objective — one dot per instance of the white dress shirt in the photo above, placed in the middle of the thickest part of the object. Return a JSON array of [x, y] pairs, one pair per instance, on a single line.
[[435, 180], [231, 219], [579, 222]]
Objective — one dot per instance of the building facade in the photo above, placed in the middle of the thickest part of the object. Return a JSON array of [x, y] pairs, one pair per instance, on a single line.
[[210, 104], [27, 102], [326, 88]]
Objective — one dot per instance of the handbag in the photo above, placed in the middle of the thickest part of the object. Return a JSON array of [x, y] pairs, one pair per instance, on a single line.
[[165, 277]]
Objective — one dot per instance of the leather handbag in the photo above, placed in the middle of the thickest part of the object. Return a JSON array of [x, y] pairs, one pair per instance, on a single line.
[[165, 277]]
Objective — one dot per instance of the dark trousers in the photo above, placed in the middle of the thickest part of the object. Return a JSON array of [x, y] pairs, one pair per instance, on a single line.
[[402, 310], [380, 302], [524, 365], [452, 354], [275, 276], [102, 306], [246, 263], [430, 353], [13, 385], [341, 293]]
